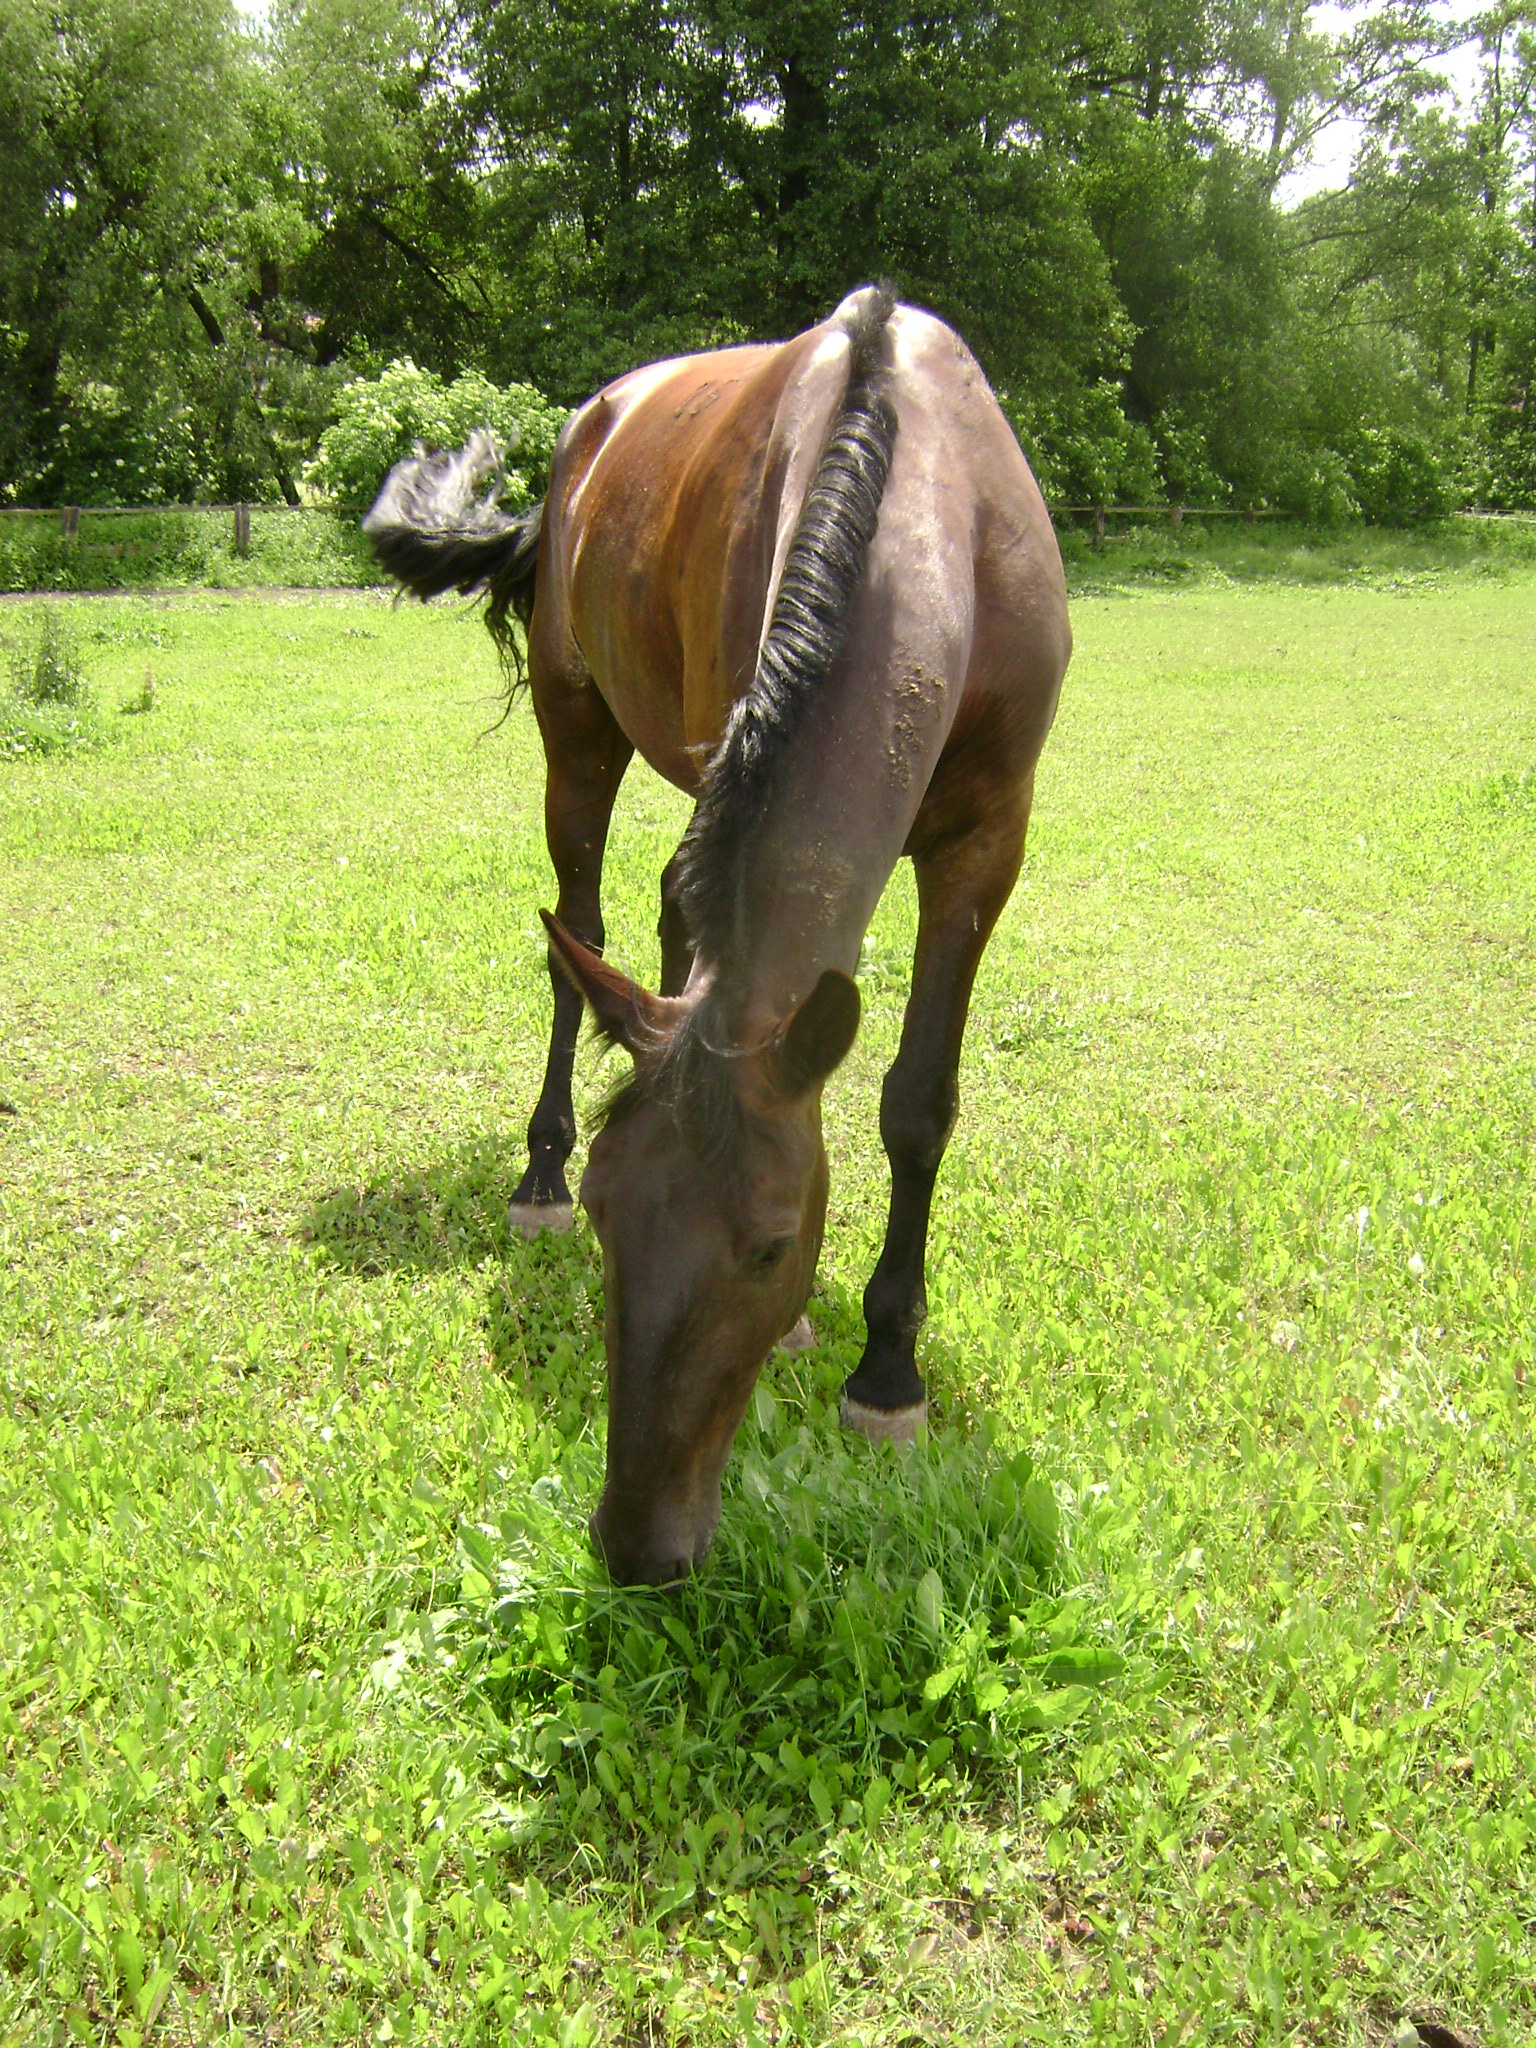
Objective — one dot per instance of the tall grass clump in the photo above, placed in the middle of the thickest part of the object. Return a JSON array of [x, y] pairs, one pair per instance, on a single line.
[[869, 1626], [49, 708]]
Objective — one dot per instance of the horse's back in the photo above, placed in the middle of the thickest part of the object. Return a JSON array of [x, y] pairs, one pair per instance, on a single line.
[[674, 495], [655, 558]]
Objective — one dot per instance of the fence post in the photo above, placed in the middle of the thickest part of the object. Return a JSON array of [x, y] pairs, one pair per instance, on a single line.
[[1247, 515], [69, 522], [1176, 517], [1098, 526], [242, 529]]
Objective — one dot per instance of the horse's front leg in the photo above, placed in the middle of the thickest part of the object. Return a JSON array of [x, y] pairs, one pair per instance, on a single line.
[[585, 756], [962, 885]]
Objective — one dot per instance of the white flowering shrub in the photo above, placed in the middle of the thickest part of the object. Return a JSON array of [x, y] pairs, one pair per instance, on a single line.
[[380, 419]]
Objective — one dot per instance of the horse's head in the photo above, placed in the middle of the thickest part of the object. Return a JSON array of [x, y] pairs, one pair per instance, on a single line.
[[707, 1188]]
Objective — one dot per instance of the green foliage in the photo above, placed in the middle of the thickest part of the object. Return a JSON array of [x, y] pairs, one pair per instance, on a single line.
[[50, 708], [1088, 452], [1316, 483], [122, 447], [312, 548], [1396, 477], [542, 197], [380, 419]]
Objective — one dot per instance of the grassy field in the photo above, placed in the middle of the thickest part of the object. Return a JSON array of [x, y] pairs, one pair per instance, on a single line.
[[1181, 1688]]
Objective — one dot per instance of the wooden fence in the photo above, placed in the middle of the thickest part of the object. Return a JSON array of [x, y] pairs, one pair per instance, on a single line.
[[69, 516]]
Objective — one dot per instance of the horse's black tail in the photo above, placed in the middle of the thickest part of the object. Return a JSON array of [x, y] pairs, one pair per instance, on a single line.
[[430, 530], [822, 570]]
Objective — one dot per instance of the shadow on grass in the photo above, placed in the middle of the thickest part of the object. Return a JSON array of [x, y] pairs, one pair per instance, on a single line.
[[544, 1299], [452, 1213]]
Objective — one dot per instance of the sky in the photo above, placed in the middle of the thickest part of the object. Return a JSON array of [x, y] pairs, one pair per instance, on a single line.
[[1334, 151]]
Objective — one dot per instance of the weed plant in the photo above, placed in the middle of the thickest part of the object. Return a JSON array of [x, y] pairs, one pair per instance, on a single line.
[[50, 708], [143, 698]]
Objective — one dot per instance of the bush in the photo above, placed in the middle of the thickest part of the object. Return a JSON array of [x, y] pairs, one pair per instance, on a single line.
[[380, 419], [108, 451], [1500, 469], [1316, 484], [1087, 452], [1397, 476], [1185, 461]]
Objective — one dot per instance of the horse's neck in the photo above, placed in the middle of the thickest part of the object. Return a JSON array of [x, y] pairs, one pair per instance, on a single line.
[[840, 816]]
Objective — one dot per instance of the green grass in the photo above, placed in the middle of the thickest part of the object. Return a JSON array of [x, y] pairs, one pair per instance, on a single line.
[[1146, 553], [317, 548], [1181, 1688]]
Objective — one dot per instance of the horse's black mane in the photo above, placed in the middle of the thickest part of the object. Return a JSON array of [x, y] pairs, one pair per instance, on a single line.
[[805, 636]]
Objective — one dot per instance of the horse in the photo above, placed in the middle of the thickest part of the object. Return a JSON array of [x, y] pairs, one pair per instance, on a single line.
[[815, 585]]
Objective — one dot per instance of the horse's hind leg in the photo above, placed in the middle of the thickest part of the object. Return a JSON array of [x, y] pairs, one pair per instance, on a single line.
[[963, 883], [585, 756]]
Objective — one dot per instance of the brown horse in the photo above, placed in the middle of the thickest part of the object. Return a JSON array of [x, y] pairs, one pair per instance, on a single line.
[[815, 585]]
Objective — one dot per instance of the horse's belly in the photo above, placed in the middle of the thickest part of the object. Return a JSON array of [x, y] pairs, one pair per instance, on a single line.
[[663, 672]]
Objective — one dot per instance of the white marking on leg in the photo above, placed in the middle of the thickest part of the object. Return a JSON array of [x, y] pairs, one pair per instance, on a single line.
[[884, 1425], [527, 1219]]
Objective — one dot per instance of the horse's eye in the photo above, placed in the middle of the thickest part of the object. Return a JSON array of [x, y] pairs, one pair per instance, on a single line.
[[767, 1256]]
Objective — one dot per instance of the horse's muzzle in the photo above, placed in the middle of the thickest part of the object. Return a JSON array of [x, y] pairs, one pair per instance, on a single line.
[[669, 1548]]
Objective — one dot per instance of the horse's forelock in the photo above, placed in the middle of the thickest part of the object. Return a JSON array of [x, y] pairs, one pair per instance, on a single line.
[[694, 1083]]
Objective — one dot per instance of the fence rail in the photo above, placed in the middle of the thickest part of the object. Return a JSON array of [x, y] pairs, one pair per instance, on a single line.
[[70, 516], [112, 547]]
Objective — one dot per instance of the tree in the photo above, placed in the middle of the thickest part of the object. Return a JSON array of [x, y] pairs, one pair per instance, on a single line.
[[118, 108]]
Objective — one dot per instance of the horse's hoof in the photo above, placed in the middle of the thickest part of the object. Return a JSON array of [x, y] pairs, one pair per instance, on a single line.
[[801, 1338], [527, 1219], [884, 1425]]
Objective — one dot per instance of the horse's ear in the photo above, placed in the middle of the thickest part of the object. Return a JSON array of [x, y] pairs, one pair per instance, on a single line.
[[622, 1010], [817, 1037]]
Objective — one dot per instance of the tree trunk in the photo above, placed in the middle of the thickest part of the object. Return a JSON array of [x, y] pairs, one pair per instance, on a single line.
[[211, 325], [804, 127]]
